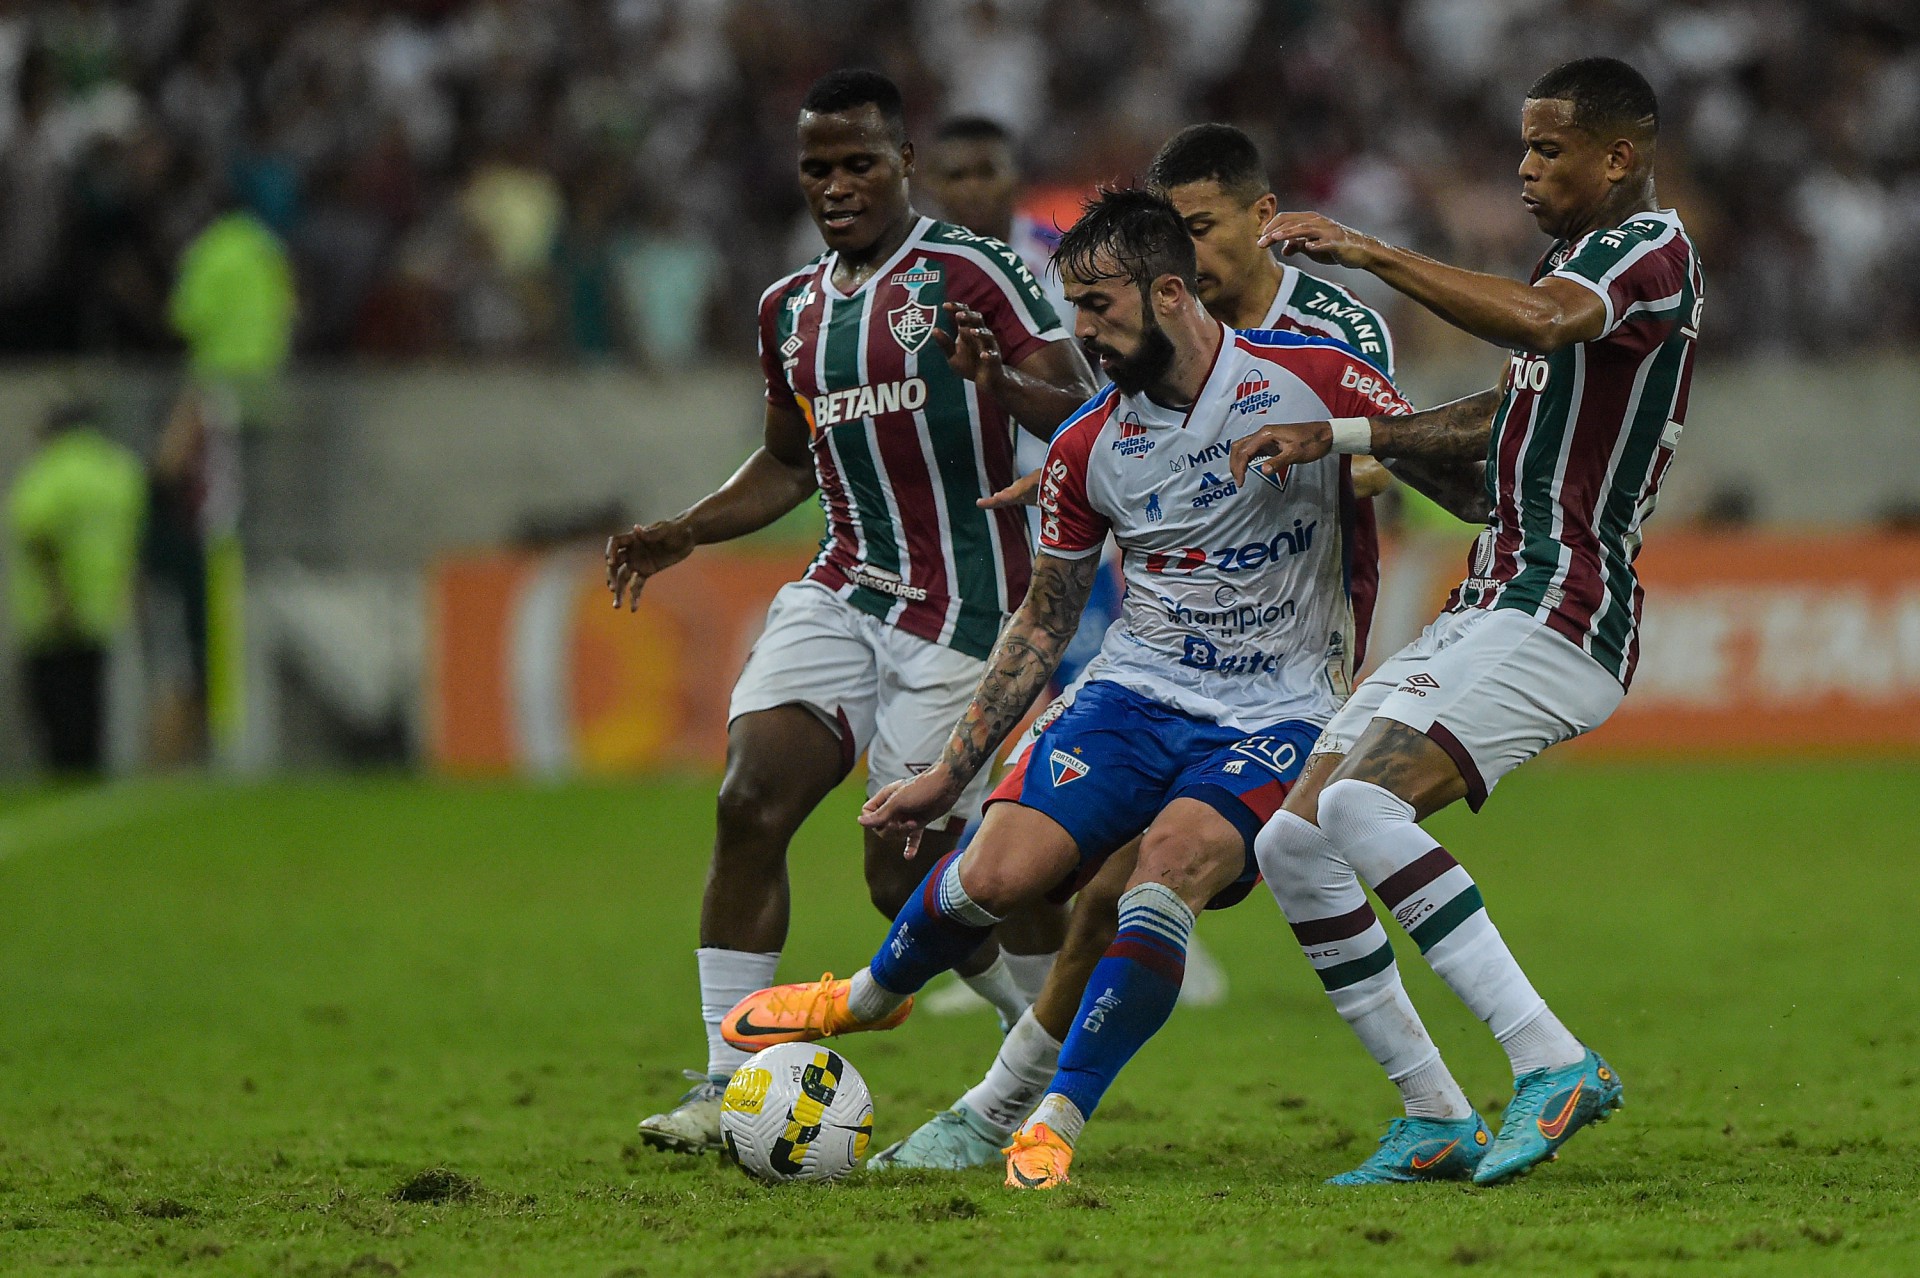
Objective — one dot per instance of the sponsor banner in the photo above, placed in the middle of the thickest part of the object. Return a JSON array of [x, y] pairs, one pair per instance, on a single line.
[[1753, 643], [1756, 642], [1775, 642], [533, 671]]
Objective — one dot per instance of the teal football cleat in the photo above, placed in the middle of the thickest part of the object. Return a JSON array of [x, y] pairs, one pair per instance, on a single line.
[[952, 1140], [1417, 1149], [692, 1126], [1548, 1107]]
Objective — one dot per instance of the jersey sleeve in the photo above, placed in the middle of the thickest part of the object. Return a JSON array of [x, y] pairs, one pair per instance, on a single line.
[[1070, 527], [1016, 308], [1626, 268], [767, 334], [1358, 389]]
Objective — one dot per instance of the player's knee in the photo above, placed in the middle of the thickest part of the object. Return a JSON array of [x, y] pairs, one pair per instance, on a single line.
[[1353, 811], [889, 889], [1287, 854], [751, 820], [997, 885], [1194, 866]]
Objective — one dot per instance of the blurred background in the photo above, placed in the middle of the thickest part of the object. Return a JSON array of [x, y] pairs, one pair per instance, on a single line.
[[335, 336]]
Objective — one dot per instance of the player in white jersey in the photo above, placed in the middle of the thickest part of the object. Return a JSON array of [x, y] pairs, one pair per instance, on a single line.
[[1234, 648], [1211, 173]]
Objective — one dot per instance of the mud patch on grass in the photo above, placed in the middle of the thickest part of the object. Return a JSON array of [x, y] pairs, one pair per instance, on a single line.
[[958, 1207], [435, 1185]]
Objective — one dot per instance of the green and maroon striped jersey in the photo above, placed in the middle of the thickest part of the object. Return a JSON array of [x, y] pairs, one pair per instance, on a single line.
[[902, 445], [1583, 439], [1308, 304]]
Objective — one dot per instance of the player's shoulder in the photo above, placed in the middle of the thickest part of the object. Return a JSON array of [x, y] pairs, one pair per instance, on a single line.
[[1660, 228], [1303, 353], [1312, 293], [972, 252], [1078, 433], [792, 284]]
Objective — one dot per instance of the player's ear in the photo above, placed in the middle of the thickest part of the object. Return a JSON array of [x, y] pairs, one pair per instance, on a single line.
[[906, 159], [1167, 293], [1265, 207], [1621, 156]]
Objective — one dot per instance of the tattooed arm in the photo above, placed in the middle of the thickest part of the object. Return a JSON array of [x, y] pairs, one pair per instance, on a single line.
[[1452, 433], [1025, 657]]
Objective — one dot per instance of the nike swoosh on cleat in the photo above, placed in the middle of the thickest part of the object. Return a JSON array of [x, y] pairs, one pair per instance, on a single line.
[[1551, 1128], [1031, 1182], [1419, 1164], [747, 1029]]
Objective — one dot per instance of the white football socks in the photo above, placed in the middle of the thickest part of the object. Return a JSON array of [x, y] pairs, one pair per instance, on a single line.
[[998, 986], [1338, 929], [1029, 972], [1061, 1115], [726, 977], [1541, 1043], [1018, 1076], [1374, 831], [869, 1000]]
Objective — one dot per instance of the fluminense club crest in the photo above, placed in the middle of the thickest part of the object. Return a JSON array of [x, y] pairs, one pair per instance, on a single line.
[[911, 324]]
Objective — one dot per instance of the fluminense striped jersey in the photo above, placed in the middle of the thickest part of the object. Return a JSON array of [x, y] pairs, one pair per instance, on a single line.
[[1583, 439], [902, 445], [1311, 305]]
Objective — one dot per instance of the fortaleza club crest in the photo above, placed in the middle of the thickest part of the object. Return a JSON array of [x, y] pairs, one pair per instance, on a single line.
[[911, 325], [1066, 768]]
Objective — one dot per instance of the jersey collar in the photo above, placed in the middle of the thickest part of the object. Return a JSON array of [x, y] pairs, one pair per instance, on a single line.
[[884, 269]]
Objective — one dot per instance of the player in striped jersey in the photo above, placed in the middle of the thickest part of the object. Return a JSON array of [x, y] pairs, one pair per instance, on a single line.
[[895, 364], [1236, 643], [1538, 643]]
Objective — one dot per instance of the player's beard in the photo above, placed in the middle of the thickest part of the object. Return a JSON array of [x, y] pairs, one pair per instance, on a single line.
[[1134, 373]]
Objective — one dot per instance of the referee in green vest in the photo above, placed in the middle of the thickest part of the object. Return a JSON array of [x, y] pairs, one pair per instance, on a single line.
[[74, 516]]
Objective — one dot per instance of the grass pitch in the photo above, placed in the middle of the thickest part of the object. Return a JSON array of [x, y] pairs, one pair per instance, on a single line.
[[379, 1027]]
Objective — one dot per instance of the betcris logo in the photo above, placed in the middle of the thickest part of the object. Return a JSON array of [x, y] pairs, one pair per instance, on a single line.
[[1132, 440], [1254, 394], [1191, 559], [1371, 387]]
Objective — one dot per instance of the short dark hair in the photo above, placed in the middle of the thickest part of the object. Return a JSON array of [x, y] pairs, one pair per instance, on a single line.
[[1605, 93], [843, 90], [1140, 230], [972, 128], [1211, 152]]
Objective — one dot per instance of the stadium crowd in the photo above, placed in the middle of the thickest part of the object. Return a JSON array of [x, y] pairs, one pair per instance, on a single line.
[[612, 178]]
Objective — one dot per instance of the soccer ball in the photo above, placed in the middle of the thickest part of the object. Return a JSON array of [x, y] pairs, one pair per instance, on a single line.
[[797, 1111]]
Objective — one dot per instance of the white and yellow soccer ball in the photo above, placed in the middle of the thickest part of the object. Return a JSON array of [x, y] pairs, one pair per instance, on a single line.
[[797, 1111]]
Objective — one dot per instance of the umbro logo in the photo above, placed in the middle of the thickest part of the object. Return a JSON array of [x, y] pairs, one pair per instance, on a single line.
[[1419, 684]]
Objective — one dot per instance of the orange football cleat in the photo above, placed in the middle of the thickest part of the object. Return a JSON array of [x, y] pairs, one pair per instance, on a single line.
[[1037, 1159], [799, 1014]]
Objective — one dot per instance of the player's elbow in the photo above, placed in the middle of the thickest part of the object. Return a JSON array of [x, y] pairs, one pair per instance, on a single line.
[[1550, 327]]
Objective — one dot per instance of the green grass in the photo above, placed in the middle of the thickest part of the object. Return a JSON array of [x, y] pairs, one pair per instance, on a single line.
[[235, 1022]]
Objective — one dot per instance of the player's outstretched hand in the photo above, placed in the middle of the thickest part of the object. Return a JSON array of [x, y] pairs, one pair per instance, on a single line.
[[636, 555], [1024, 491], [910, 805], [1274, 448], [1320, 238], [971, 349]]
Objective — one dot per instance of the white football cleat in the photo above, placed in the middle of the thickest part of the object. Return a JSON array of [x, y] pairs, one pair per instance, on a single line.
[[692, 1126]]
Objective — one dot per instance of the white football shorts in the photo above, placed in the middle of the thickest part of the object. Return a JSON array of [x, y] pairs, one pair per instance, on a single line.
[[889, 695], [1491, 687]]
